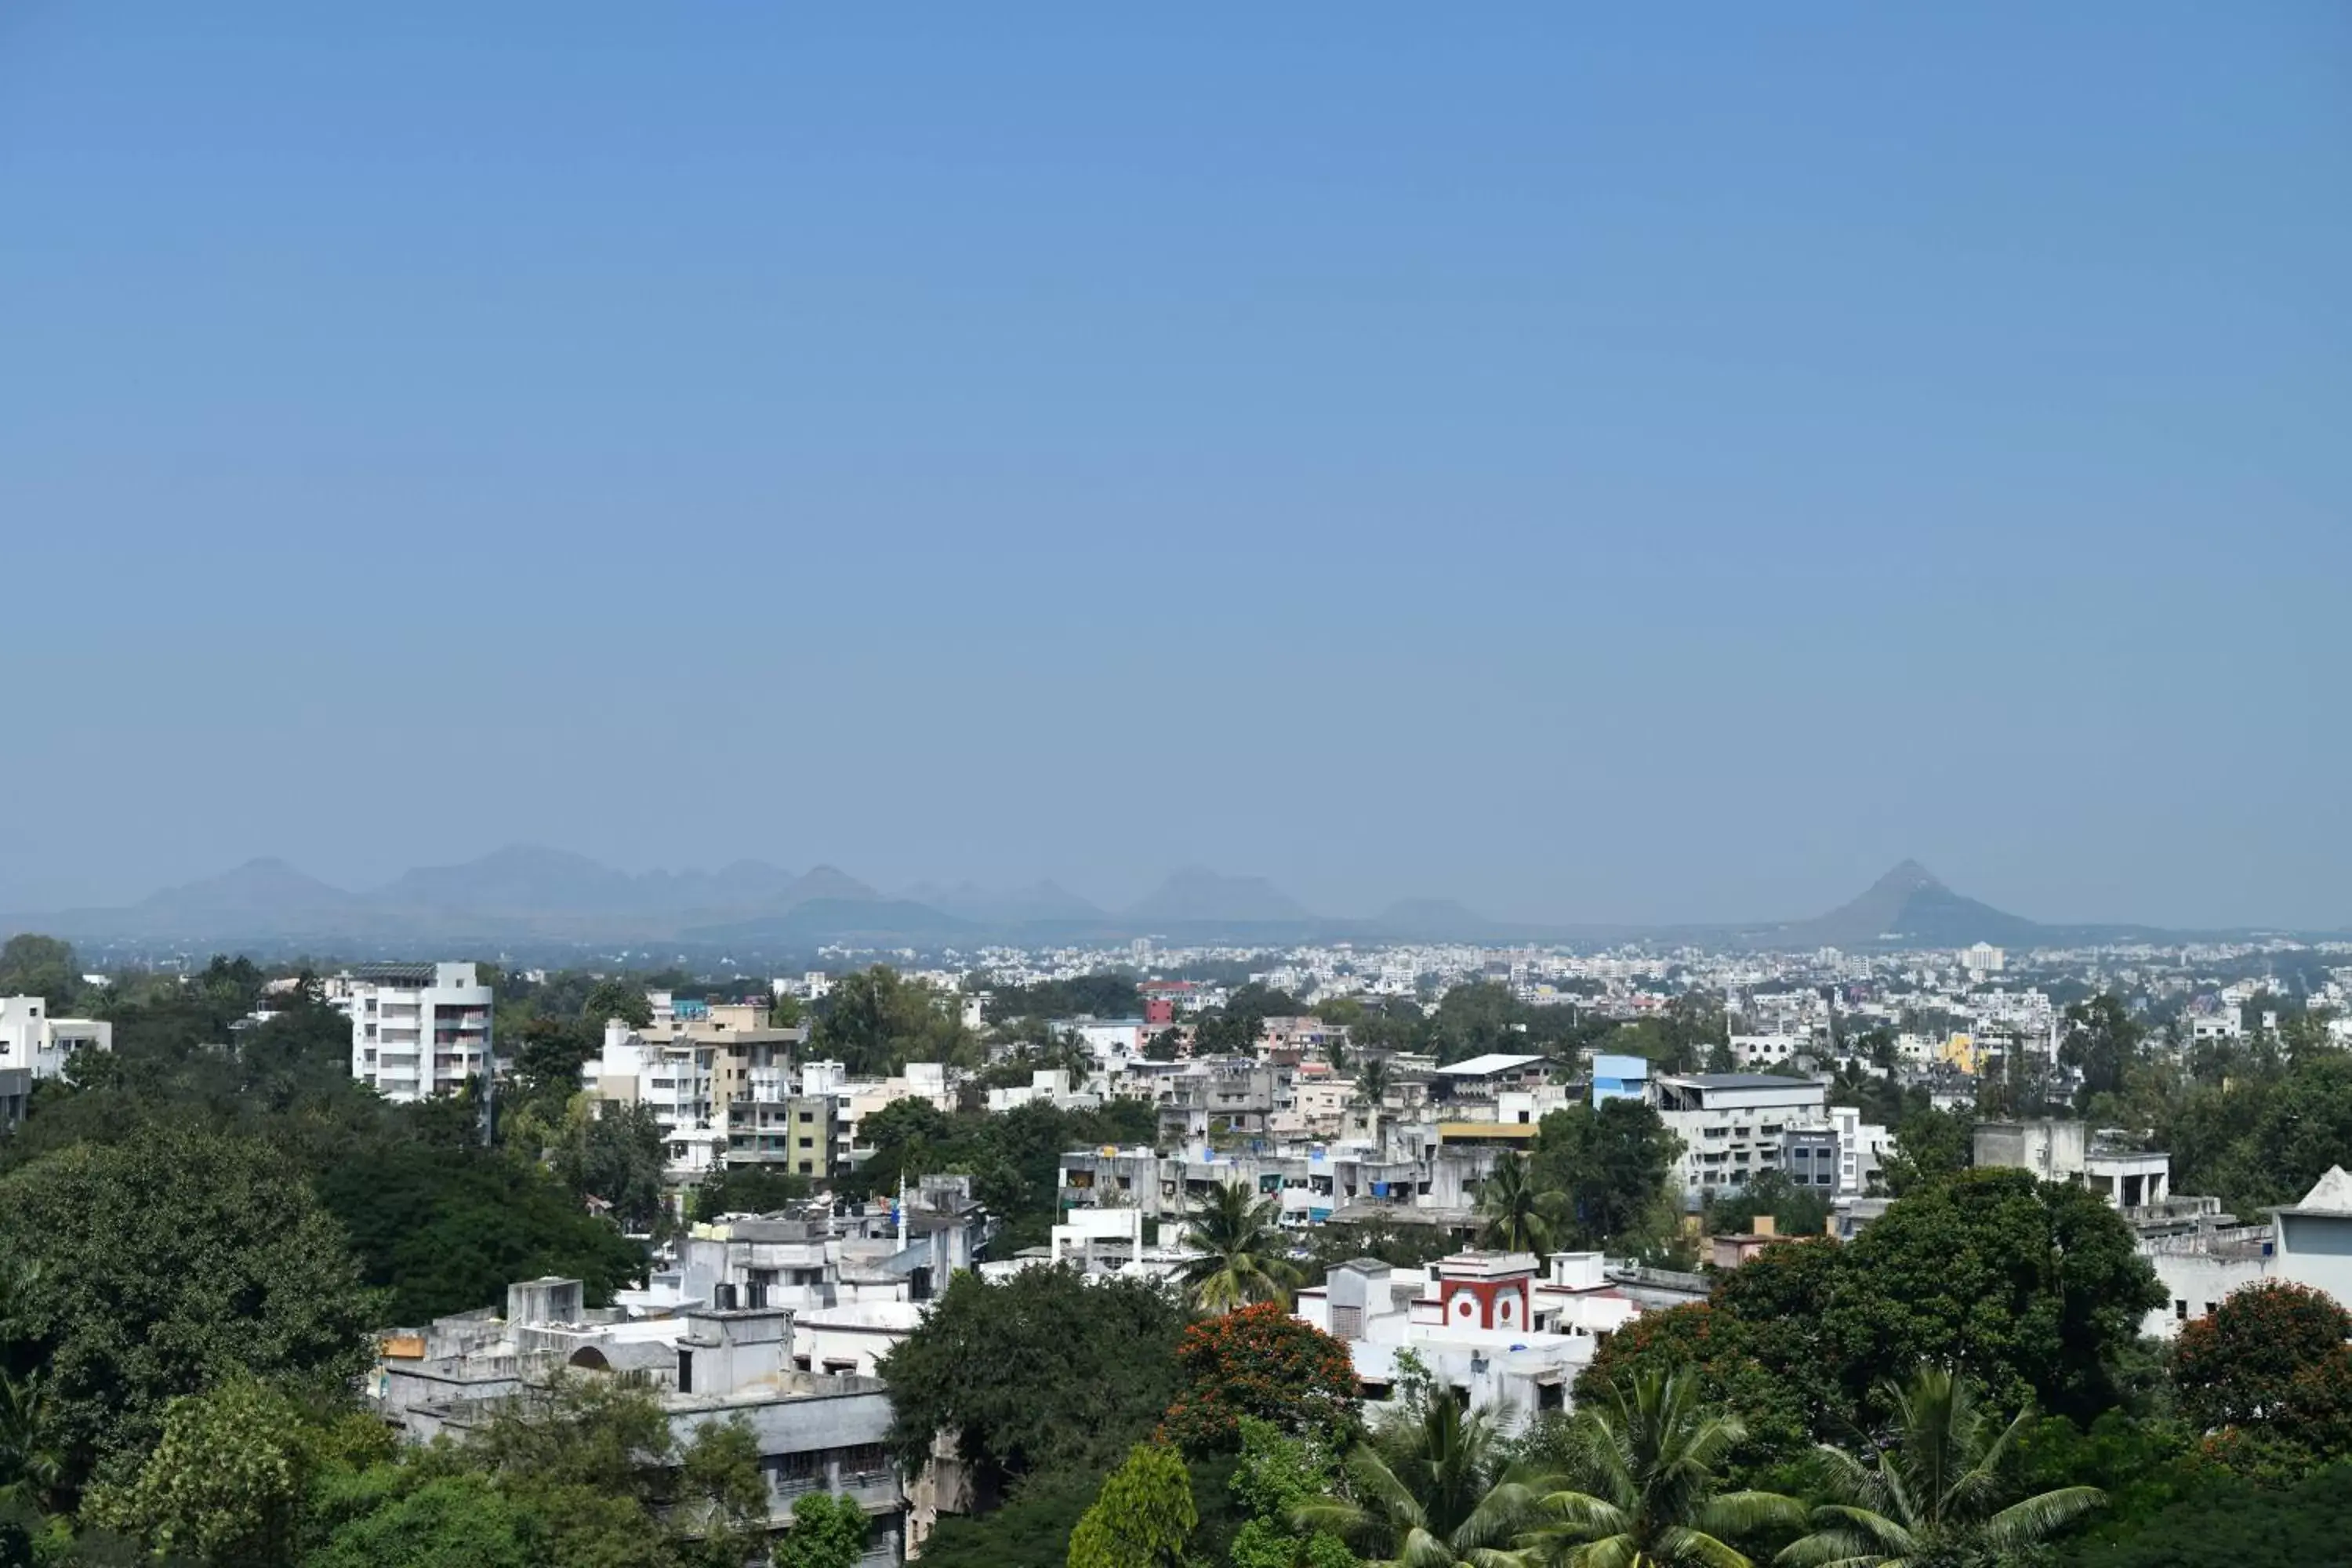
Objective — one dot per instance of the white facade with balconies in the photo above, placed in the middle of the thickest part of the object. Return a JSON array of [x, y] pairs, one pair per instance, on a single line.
[[417, 1029]]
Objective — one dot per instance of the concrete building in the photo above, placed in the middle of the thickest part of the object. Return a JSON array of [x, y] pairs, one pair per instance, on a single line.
[[1483, 1078], [1411, 1168], [2315, 1236], [1488, 1325], [1619, 1078], [2134, 1181], [813, 1430], [1732, 1125], [1753, 1051], [417, 1029], [1046, 1086], [2309, 1243], [39, 1046]]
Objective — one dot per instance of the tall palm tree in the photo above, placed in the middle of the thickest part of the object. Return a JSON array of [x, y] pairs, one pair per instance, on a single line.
[[1650, 1462], [1940, 1483], [1516, 1217], [1372, 1087], [1432, 1492], [29, 1460], [1238, 1252]]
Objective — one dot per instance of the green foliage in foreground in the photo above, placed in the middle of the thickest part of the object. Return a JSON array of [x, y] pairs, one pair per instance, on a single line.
[[1142, 1517]]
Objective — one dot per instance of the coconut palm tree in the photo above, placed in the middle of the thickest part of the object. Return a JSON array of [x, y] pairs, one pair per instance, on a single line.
[[1238, 1252], [1428, 1492], [1649, 1461], [1372, 1087], [1940, 1483], [1516, 1217], [29, 1461]]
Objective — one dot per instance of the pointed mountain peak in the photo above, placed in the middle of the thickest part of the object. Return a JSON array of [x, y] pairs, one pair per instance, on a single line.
[[1911, 877]]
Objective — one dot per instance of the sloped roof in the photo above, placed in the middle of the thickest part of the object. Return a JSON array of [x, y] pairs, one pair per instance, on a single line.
[[2331, 1195], [1493, 1062]]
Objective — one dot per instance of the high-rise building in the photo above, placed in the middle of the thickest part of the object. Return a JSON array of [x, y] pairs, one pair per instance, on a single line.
[[417, 1029]]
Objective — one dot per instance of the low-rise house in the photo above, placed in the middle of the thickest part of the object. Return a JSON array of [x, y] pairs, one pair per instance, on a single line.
[[39, 1046], [1480, 1323], [2308, 1243], [812, 1429]]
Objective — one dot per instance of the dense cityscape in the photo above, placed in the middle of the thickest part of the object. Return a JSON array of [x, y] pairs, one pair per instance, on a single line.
[[1297, 786], [1021, 1254]]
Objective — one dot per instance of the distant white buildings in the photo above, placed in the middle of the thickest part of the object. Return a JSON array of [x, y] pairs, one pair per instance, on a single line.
[[417, 1029], [33, 1042]]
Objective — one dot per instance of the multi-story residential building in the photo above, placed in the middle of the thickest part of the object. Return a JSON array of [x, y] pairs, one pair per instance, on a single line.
[[417, 1029], [35, 1044], [1861, 1150], [1732, 1124], [1237, 1096], [1411, 1174], [813, 1430]]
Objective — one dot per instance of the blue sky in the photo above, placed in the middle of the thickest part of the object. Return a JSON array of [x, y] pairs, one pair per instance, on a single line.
[[1597, 465]]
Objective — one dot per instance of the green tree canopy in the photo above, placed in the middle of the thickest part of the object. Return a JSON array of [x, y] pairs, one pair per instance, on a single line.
[[43, 966], [2032, 1286], [1610, 1161], [159, 1268], [1043, 1371], [1938, 1492], [225, 1484], [827, 1532], [1143, 1518], [1646, 1485], [444, 1230]]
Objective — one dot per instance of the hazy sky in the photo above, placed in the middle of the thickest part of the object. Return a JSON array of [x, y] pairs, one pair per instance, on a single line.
[[1593, 462]]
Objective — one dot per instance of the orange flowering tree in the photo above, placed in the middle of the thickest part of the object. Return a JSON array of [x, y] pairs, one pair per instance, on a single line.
[[2268, 1376], [1260, 1361]]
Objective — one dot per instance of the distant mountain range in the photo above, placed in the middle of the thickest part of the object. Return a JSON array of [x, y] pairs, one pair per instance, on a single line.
[[527, 893]]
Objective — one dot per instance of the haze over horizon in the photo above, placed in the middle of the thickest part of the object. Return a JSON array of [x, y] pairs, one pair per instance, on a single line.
[[1625, 468]]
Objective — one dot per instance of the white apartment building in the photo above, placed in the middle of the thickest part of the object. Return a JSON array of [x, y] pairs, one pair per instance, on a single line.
[[1862, 1148], [1731, 1124], [1983, 958], [417, 1029], [32, 1041], [1508, 1340], [1765, 1050]]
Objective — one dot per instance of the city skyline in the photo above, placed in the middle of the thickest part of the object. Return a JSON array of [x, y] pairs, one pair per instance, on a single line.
[[539, 894]]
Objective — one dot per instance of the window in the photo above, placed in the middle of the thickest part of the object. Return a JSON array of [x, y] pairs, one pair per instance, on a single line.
[[2179, 1311], [685, 1370]]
